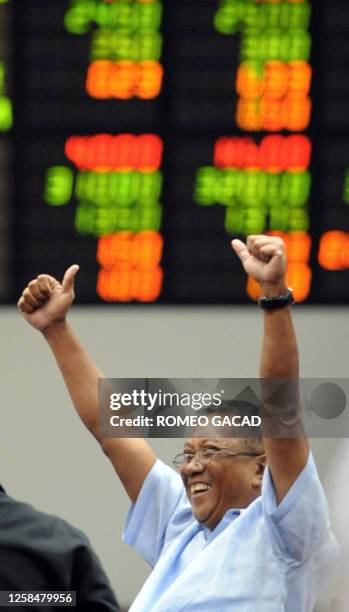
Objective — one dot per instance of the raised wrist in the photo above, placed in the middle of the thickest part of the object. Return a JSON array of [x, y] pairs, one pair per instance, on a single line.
[[273, 289], [53, 328]]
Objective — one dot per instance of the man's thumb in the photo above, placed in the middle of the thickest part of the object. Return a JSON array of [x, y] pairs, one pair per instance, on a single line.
[[69, 276], [240, 249]]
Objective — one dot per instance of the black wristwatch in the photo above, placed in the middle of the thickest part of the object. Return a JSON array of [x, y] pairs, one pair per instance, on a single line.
[[279, 301]]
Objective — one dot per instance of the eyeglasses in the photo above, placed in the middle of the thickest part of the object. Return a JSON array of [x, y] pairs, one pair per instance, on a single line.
[[204, 456]]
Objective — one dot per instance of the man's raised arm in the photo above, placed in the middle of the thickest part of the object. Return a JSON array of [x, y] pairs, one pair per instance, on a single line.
[[263, 257], [44, 304]]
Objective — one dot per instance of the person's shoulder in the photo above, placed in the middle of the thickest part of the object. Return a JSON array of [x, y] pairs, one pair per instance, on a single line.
[[27, 517]]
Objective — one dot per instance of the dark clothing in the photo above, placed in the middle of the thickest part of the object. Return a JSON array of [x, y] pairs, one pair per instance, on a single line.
[[44, 553]]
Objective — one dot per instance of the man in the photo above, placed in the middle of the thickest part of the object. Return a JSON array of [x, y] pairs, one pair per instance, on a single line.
[[220, 536], [40, 552]]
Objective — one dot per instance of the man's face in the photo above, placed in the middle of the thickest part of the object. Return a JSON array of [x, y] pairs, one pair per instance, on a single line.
[[227, 482]]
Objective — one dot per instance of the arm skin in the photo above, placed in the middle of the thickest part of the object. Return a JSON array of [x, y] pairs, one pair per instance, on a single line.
[[287, 457], [44, 304], [264, 258]]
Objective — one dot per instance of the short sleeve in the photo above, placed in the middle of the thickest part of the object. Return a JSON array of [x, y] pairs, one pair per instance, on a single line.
[[161, 497], [300, 523]]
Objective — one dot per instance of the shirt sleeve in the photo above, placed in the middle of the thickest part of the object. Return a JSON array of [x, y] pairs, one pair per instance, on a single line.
[[151, 518], [300, 523]]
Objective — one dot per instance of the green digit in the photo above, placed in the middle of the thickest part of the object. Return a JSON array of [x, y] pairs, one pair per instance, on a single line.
[[254, 188], [148, 218], [104, 221], [125, 189], [286, 220], [107, 44], [81, 188], [227, 187], [102, 15], [148, 46], [147, 16], [273, 189], [250, 48], [126, 219], [299, 16], [296, 45], [99, 190], [299, 220], [58, 186], [150, 187], [232, 220], [230, 16], [252, 15], [254, 220], [206, 185], [270, 16], [244, 221], [271, 44], [79, 16], [125, 16], [84, 218], [6, 114], [100, 45], [295, 188]]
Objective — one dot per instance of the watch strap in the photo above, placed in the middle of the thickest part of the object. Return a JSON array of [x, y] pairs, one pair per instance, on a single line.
[[278, 301]]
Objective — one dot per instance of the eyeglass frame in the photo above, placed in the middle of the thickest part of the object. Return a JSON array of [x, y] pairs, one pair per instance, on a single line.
[[212, 452]]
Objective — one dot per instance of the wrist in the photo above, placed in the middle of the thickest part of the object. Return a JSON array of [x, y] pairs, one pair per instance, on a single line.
[[52, 329], [274, 289]]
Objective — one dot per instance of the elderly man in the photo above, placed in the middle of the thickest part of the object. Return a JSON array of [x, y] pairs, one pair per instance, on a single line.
[[220, 535]]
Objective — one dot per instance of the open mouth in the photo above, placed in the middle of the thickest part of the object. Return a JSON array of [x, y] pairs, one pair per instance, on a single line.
[[199, 488]]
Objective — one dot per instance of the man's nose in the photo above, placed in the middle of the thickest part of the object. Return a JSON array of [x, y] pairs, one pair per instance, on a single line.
[[192, 467]]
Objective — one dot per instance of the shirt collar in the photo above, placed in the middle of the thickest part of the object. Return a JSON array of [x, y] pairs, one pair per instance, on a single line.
[[227, 519]]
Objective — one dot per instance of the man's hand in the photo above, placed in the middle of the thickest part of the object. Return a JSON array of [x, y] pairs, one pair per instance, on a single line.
[[45, 301], [263, 258]]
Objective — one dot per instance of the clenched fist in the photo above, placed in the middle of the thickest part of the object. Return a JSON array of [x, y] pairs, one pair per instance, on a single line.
[[45, 301], [263, 258]]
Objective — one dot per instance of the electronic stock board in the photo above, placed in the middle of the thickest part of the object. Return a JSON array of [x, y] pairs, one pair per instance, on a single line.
[[146, 134]]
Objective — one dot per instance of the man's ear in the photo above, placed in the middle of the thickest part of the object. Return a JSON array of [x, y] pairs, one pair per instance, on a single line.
[[259, 467]]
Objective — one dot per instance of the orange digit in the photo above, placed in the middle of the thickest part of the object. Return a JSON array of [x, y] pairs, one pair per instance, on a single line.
[[115, 284], [248, 82], [275, 80], [296, 113], [123, 79], [114, 248], [248, 115], [149, 285], [299, 79], [147, 249], [334, 250], [149, 81], [271, 115], [98, 77]]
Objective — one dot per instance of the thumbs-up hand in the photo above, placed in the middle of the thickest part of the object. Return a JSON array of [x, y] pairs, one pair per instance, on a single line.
[[263, 258], [45, 301]]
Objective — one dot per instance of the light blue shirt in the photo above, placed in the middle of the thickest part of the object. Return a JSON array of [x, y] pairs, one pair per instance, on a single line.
[[265, 558]]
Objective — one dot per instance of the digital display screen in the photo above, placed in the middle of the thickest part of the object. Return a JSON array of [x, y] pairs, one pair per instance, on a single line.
[[147, 134]]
